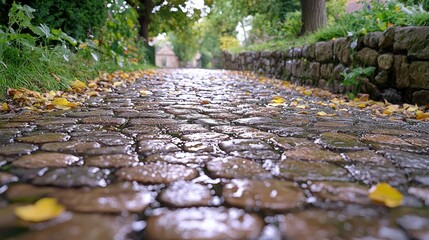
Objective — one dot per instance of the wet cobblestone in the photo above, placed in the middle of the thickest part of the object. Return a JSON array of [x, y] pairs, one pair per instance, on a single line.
[[205, 155]]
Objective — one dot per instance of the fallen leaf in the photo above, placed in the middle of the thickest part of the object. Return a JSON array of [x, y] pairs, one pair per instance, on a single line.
[[323, 114], [361, 105], [43, 210], [302, 106], [420, 115], [63, 104], [307, 92], [78, 86], [145, 93], [5, 107], [205, 102], [386, 194], [277, 101]]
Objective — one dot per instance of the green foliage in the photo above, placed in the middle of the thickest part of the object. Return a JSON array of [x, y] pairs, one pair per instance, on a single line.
[[374, 16], [353, 77], [119, 37], [79, 19], [42, 58], [185, 43]]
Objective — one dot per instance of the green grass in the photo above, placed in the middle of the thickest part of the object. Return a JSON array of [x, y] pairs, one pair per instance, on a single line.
[[52, 72]]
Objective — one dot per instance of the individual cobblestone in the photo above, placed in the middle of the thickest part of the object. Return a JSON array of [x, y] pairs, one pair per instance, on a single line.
[[210, 155]]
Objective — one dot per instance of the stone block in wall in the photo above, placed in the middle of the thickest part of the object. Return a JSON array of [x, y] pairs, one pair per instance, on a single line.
[[421, 97], [342, 51], [326, 70], [419, 73], [314, 70], [382, 79], [392, 95], [387, 39], [288, 68], [370, 88], [401, 69], [323, 84], [289, 53], [324, 51], [413, 40], [304, 51], [338, 70], [311, 51], [368, 56], [371, 39], [385, 61], [265, 54], [297, 52], [296, 68], [265, 61]]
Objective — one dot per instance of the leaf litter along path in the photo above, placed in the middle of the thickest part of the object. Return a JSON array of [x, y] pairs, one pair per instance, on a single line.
[[198, 154]]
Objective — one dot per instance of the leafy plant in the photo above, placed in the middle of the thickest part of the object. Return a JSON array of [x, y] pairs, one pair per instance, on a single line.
[[353, 77]]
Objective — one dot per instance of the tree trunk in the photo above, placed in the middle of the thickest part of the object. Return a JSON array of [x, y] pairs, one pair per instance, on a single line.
[[313, 15], [144, 18]]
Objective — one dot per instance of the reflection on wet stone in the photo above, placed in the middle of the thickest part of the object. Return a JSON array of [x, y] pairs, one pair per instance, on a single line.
[[70, 147], [204, 223], [157, 173], [233, 167], [149, 147], [74, 177], [341, 192], [111, 161], [312, 154], [263, 194], [111, 199], [40, 160], [186, 194], [178, 157], [81, 226], [17, 149], [44, 138], [304, 171]]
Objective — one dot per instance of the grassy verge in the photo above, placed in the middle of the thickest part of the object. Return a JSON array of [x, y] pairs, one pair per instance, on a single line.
[[39, 58], [52, 72]]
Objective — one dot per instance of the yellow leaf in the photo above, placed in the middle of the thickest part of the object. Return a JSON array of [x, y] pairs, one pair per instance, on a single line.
[[145, 93], [72, 105], [5, 107], [43, 210], [387, 112], [78, 86], [115, 84], [277, 101], [323, 114], [386, 194], [307, 92], [361, 105], [411, 108], [61, 103], [420, 115], [301, 106]]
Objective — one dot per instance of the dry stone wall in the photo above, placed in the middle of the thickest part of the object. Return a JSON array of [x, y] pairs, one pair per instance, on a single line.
[[399, 54]]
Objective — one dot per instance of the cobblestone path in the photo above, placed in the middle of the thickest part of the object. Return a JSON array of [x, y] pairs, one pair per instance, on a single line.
[[193, 154]]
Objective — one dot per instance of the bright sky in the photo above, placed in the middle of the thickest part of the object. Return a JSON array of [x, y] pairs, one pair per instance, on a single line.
[[188, 7]]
